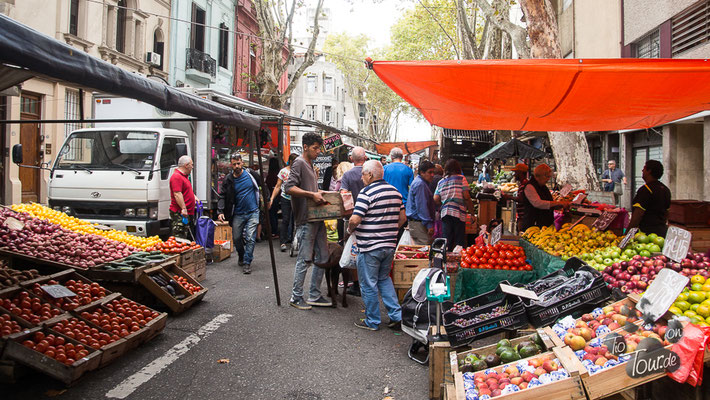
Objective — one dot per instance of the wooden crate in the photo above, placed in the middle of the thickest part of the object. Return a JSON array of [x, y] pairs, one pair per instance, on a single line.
[[24, 325], [439, 370], [148, 331], [61, 277], [486, 211], [200, 272], [223, 232], [570, 388], [689, 212], [333, 209], [175, 305], [700, 241], [68, 374], [110, 351], [404, 271], [13, 291], [175, 270], [221, 252]]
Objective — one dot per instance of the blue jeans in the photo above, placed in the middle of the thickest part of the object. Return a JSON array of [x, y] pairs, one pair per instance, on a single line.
[[311, 239], [244, 227], [373, 270]]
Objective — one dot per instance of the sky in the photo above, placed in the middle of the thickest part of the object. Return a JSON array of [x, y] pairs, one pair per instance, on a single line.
[[374, 19]]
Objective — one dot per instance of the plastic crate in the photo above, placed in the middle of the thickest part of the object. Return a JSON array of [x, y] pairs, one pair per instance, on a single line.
[[597, 293], [514, 319]]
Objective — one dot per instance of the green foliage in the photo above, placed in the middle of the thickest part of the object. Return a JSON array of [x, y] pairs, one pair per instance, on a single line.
[[422, 35]]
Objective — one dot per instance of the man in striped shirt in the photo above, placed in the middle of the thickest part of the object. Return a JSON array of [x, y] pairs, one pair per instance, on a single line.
[[377, 217]]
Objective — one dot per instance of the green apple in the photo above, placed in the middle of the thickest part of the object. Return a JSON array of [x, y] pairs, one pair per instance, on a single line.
[[654, 248]]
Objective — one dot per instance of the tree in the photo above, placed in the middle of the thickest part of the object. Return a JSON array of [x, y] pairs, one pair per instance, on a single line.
[[425, 32], [381, 104], [275, 18], [570, 149]]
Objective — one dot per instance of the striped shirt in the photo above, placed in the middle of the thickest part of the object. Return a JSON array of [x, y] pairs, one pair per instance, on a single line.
[[378, 204], [451, 190]]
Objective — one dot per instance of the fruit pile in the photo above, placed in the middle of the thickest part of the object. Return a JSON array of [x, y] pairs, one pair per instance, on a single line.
[[56, 347], [694, 302], [641, 245], [568, 242], [42, 239], [172, 246], [136, 312], [11, 277], [8, 326], [596, 356], [82, 332], [460, 308], [187, 285], [525, 374], [84, 227], [31, 309], [498, 256], [557, 196], [505, 353], [495, 312], [415, 256], [576, 334], [635, 275], [85, 293]]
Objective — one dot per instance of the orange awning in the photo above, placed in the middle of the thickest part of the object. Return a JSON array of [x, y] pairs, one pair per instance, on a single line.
[[551, 95], [407, 147]]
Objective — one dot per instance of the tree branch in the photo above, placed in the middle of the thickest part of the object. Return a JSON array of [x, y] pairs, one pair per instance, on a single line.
[[453, 43], [467, 36], [517, 33]]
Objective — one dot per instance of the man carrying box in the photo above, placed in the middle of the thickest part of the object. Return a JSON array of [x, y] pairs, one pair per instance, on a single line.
[[302, 184]]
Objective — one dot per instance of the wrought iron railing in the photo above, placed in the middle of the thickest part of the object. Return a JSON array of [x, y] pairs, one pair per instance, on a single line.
[[202, 62]]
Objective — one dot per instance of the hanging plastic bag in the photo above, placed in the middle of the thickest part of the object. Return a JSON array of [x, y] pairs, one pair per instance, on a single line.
[[347, 260], [406, 239], [691, 350], [204, 229]]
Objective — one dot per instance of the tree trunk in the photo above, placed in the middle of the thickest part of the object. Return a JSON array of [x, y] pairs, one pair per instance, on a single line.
[[572, 159]]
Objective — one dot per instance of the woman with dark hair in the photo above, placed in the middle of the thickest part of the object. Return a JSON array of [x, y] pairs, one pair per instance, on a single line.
[[453, 196], [286, 228]]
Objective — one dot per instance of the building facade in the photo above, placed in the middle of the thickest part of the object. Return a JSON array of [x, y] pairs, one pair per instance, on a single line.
[[130, 34], [202, 44]]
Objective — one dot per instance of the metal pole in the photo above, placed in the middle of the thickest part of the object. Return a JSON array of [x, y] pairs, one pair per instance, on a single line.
[[267, 223]]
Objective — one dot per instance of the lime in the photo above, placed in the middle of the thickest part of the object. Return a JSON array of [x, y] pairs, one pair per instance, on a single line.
[[682, 305], [703, 311], [683, 296], [696, 297], [690, 314], [694, 307], [696, 287], [675, 310]]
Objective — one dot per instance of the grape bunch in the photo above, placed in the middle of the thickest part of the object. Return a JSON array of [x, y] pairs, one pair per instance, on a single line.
[[460, 308], [495, 312]]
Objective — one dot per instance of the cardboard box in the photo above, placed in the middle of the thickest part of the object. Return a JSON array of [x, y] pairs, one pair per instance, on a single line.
[[333, 209], [221, 250], [223, 232]]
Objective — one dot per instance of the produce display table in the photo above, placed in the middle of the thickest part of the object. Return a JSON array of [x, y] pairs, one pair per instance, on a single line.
[[474, 282]]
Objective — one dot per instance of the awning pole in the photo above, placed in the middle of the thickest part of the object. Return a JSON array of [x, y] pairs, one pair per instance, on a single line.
[[267, 224]]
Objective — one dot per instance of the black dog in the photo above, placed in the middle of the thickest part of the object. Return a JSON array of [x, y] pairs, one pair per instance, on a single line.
[[333, 270]]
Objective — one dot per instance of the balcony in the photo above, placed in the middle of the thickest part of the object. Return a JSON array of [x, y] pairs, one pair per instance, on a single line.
[[200, 66]]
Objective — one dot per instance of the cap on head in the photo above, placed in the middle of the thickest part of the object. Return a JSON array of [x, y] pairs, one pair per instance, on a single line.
[[520, 167]]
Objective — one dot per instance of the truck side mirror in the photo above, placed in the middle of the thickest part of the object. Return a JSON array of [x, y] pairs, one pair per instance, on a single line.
[[17, 154], [180, 150]]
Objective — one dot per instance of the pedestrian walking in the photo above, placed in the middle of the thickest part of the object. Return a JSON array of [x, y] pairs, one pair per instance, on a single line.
[[453, 196], [378, 215], [399, 174], [239, 203], [182, 199], [420, 207], [614, 179], [302, 184], [352, 181], [286, 226]]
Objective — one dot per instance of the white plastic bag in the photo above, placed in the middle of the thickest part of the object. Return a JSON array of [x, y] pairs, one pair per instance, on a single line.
[[348, 259], [406, 239]]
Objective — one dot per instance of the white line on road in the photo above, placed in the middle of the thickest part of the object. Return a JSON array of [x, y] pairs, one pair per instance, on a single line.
[[128, 386]]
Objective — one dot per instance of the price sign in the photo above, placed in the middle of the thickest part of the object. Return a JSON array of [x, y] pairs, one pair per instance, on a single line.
[[603, 221], [579, 198], [566, 189], [654, 358], [677, 243], [629, 235], [13, 223], [516, 291], [332, 142], [496, 234], [661, 294], [57, 291]]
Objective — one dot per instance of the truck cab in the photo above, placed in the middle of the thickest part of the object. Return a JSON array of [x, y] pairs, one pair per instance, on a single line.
[[118, 177]]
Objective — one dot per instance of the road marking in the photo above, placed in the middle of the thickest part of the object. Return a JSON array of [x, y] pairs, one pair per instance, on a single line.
[[130, 384]]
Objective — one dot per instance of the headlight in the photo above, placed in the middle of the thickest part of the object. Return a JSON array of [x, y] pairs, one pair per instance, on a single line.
[[154, 213], [66, 210], [130, 212], [142, 212]]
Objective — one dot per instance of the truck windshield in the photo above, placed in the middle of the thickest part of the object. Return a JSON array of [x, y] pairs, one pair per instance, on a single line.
[[109, 150]]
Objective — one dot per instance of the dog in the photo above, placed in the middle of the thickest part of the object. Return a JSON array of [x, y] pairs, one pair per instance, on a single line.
[[333, 270]]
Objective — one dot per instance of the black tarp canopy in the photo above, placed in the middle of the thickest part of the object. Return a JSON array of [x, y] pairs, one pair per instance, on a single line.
[[34, 52], [511, 149]]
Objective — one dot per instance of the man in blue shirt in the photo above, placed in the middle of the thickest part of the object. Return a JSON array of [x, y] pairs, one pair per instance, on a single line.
[[239, 202], [398, 174], [420, 207]]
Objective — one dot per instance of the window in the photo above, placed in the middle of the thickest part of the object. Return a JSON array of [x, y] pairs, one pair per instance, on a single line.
[[326, 113], [121, 26], [690, 28], [649, 46], [311, 84], [362, 112], [197, 33], [168, 156], [71, 111], [74, 17], [223, 45], [311, 112], [159, 45], [328, 84], [337, 119]]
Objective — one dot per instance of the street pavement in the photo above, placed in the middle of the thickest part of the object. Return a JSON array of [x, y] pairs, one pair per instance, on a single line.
[[274, 352]]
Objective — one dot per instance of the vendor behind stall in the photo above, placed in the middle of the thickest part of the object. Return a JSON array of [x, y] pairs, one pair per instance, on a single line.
[[521, 176], [651, 202], [538, 202]]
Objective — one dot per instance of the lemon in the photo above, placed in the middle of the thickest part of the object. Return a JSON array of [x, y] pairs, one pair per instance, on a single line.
[[682, 297], [703, 311], [694, 307], [690, 314], [675, 310], [682, 305], [697, 279], [696, 297]]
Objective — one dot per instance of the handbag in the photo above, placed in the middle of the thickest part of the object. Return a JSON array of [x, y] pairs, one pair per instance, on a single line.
[[204, 229]]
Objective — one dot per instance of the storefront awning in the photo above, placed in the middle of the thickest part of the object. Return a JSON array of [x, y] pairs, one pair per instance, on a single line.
[[513, 148], [551, 95], [407, 147], [34, 52]]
